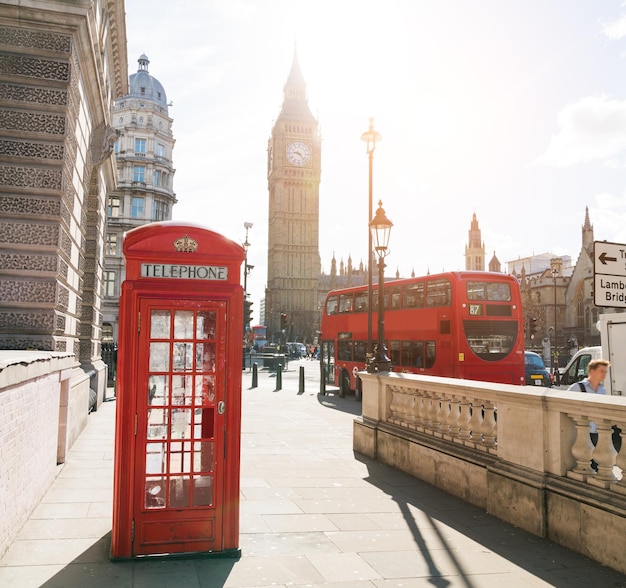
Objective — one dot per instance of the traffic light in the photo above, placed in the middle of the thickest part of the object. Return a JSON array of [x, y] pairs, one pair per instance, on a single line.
[[283, 321], [247, 312], [532, 326]]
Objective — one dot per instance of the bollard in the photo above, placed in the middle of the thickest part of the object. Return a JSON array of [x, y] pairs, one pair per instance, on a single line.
[[255, 376], [301, 387], [279, 376], [322, 379]]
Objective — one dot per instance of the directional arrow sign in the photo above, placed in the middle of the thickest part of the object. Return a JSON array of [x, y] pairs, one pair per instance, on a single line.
[[609, 274], [609, 258]]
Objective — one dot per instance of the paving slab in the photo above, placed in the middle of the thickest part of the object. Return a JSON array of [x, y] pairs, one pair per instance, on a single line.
[[312, 514]]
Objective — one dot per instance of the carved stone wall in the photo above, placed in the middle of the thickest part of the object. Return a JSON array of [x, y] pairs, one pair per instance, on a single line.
[[46, 173]]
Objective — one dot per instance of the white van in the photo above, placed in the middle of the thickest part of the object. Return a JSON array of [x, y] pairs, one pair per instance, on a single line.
[[576, 369]]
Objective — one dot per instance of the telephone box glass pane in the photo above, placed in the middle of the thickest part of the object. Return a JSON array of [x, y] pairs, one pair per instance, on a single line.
[[179, 491], [157, 390], [159, 324], [155, 458], [203, 456], [180, 459], [157, 423], [155, 492], [202, 490], [181, 423], [181, 390], [205, 327], [205, 390], [182, 359], [205, 357], [159, 357], [183, 324]]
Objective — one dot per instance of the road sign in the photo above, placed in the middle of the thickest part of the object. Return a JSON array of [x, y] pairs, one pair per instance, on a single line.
[[609, 274]]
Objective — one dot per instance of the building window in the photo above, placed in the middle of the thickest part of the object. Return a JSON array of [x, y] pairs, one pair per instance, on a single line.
[[142, 90], [156, 177], [113, 207], [159, 210], [140, 146], [141, 119], [136, 209], [116, 147], [139, 173], [109, 284], [160, 150], [111, 248], [121, 119]]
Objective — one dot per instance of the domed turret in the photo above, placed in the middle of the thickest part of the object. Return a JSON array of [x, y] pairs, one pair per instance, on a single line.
[[143, 85]]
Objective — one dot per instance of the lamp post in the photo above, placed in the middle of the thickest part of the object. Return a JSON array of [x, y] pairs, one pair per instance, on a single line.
[[246, 270], [380, 230], [370, 137], [555, 355]]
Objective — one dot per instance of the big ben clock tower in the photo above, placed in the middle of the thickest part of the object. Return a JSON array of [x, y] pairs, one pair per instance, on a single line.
[[293, 174]]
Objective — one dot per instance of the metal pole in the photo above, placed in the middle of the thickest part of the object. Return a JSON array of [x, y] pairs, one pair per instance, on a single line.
[[301, 382], [370, 296], [279, 376], [255, 376], [383, 363]]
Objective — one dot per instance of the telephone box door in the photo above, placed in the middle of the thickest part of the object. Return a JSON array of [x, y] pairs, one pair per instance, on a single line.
[[180, 431]]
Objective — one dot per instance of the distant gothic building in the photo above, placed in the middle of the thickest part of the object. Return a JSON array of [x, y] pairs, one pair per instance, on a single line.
[[293, 173], [63, 64], [475, 248], [145, 172]]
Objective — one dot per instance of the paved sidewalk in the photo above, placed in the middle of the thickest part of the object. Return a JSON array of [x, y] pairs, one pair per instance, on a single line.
[[312, 514]]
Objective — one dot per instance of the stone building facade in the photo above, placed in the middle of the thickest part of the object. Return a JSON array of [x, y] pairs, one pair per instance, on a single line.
[[61, 65], [293, 172], [145, 173], [475, 248]]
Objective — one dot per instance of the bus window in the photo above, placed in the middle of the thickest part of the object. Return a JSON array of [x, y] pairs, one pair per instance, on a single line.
[[344, 351], [345, 303], [413, 354], [431, 352], [414, 295], [490, 340], [375, 300], [360, 348], [438, 293], [488, 291], [395, 298], [394, 352], [332, 305], [360, 302]]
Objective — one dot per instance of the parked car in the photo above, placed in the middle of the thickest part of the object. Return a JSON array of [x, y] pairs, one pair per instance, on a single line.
[[536, 372], [576, 369]]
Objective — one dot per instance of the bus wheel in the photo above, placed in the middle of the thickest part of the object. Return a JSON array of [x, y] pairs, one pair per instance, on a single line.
[[344, 384], [358, 393]]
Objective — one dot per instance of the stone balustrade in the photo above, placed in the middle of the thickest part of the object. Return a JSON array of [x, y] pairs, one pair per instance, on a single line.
[[522, 453]]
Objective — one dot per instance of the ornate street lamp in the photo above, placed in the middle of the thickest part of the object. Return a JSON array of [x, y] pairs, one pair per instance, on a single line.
[[380, 230], [371, 137]]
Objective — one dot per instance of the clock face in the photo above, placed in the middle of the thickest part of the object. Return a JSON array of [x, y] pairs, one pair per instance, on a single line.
[[298, 153]]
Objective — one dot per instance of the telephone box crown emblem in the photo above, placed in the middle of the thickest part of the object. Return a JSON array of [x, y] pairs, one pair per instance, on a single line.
[[186, 244]]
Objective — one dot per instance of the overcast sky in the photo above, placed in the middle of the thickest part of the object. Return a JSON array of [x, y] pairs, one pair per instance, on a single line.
[[514, 110]]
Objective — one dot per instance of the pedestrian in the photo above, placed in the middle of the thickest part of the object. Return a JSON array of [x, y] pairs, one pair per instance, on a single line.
[[593, 384]]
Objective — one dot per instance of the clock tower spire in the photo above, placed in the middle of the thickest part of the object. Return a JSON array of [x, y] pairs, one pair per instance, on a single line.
[[293, 174]]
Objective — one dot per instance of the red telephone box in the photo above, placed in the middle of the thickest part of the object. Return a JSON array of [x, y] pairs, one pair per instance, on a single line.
[[178, 427]]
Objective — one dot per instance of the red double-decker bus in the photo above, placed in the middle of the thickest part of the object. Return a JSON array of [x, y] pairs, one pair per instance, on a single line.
[[455, 324]]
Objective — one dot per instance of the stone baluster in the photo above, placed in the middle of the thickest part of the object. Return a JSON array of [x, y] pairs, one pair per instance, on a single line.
[[405, 399], [423, 409], [477, 420], [437, 413], [409, 412], [604, 455], [415, 408], [394, 406], [581, 449], [444, 415], [433, 407], [620, 462], [465, 429], [488, 427], [454, 430]]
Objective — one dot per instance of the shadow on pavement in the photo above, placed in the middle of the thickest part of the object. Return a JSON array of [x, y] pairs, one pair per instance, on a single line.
[[542, 558], [333, 400], [93, 569]]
